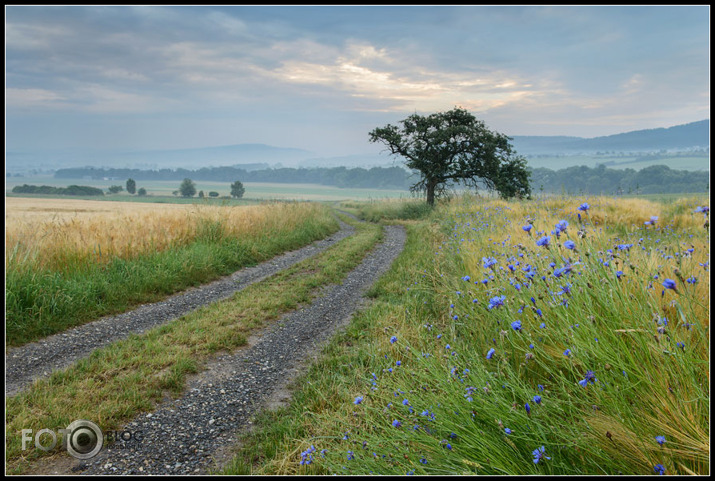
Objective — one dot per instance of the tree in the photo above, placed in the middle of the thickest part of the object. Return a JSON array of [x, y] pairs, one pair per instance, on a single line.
[[141, 191], [453, 147], [237, 189], [213, 194], [187, 188], [115, 189], [131, 186], [201, 194]]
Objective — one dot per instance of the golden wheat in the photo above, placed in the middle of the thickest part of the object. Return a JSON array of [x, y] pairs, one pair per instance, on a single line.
[[51, 233]]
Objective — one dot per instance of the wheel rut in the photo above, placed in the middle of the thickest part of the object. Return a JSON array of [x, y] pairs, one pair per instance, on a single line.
[[194, 433], [35, 360]]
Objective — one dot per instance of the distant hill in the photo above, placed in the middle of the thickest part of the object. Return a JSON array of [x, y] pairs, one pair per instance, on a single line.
[[679, 137]]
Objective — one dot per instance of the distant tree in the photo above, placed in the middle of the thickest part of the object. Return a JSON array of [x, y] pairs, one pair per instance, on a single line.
[[201, 194], [187, 188], [115, 189], [213, 194], [141, 191], [175, 192], [454, 146], [131, 186], [237, 189]]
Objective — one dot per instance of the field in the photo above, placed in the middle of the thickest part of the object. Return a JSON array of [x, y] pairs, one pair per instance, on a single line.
[[557, 336], [161, 191], [562, 336], [69, 260]]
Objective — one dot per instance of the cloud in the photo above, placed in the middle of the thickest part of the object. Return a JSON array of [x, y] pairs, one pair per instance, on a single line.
[[32, 98]]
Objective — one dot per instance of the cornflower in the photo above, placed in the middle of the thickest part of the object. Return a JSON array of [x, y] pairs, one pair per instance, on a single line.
[[490, 353], [539, 453], [544, 241]]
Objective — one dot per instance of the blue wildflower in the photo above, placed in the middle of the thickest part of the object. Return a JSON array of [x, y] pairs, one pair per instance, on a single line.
[[659, 469], [496, 302], [537, 399], [358, 400], [584, 207], [569, 244], [393, 339], [567, 352], [660, 440], [396, 423], [516, 325], [669, 284], [544, 241], [538, 454], [490, 353]]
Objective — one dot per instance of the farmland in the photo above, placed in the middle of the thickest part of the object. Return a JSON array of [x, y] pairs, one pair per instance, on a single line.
[[161, 191], [562, 335], [69, 261]]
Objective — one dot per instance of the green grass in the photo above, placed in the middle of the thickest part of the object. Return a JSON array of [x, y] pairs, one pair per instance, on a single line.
[[644, 383], [41, 302], [117, 382]]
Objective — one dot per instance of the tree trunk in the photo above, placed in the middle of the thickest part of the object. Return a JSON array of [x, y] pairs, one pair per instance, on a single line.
[[431, 185]]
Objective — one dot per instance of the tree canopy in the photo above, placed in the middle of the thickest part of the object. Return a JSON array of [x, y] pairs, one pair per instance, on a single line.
[[187, 188], [455, 146]]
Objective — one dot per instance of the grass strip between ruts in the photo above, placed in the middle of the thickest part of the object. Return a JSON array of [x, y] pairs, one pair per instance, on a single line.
[[117, 382]]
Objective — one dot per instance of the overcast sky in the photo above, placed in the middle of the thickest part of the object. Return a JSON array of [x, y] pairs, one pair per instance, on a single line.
[[320, 78]]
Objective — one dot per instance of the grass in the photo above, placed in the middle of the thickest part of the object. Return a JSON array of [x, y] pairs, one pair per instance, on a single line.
[[67, 267], [435, 401], [121, 380]]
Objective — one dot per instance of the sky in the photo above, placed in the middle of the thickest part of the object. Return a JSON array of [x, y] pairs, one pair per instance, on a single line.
[[320, 78]]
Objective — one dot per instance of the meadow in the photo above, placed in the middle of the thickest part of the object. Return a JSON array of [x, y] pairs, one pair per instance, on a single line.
[[68, 261], [561, 336]]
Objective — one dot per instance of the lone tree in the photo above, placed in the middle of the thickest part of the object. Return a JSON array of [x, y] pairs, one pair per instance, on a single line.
[[454, 146], [237, 189], [187, 188], [131, 186]]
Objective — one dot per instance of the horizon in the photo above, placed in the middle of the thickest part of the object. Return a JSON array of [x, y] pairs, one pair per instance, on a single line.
[[320, 78]]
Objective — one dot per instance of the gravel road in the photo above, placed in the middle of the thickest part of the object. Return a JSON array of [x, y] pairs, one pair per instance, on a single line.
[[34, 360], [190, 435], [193, 434]]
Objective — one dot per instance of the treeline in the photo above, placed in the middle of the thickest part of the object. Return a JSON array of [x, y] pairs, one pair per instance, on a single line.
[[47, 189], [375, 178], [656, 179]]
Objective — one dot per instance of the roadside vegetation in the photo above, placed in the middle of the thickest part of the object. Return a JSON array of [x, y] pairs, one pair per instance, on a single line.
[[562, 336], [121, 380], [63, 270]]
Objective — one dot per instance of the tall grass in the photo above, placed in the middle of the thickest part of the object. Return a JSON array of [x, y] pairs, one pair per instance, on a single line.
[[485, 346], [66, 270]]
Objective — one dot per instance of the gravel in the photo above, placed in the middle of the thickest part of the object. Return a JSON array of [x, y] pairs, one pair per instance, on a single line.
[[31, 361], [187, 435]]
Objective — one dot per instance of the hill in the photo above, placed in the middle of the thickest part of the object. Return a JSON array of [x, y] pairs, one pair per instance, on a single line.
[[679, 137]]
